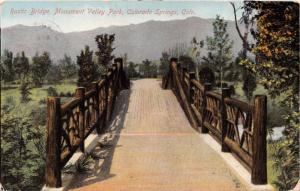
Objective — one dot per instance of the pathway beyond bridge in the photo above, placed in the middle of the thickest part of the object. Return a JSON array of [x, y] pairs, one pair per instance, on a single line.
[[155, 148]]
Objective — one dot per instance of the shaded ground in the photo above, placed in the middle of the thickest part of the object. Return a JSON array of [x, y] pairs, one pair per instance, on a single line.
[[151, 147]]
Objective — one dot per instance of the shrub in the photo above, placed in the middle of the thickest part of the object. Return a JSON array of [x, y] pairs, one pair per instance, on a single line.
[[206, 75], [52, 92]]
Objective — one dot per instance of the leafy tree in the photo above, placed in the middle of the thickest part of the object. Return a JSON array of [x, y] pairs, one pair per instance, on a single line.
[[7, 70], [87, 69], [105, 48], [21, 161], [21, 65], [148, 69], [249, 79], [67, 67], [206, 75], [40, 67], [187, 62], [219, 56], [277, 65], [164, 63], [25, 92], [239, 73]]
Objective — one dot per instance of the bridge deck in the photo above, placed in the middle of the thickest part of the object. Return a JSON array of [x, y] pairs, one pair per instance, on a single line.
[[155, 148]]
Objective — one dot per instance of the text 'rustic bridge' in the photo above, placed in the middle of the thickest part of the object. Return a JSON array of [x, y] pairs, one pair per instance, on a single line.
[[239, 127]]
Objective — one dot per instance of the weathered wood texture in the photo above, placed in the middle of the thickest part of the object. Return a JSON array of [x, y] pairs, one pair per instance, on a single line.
[[238, 126], [53, 172], [259, 167], [69, 124]]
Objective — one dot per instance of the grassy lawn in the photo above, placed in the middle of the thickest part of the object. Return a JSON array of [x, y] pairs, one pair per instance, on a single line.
[[37, 94]]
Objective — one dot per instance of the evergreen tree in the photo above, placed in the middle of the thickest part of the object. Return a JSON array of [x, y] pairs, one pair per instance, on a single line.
[[219, 56], [7, 66], [21, 65], [40, 67], [87, 69], [67, 67], [105, 49]]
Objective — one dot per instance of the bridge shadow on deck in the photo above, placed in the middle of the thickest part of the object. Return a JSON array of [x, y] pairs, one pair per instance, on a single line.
[[105, 148]]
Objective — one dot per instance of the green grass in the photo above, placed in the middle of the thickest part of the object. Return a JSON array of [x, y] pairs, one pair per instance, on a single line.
[[37, 94]]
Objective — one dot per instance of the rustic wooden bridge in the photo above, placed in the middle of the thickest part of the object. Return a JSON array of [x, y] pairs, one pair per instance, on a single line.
[[160, 147]]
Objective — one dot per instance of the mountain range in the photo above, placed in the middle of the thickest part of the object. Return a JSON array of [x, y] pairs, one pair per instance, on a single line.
[[139, 41]]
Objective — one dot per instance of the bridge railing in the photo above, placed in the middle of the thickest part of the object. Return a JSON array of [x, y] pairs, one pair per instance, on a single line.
[[69, 124], [239, 127]]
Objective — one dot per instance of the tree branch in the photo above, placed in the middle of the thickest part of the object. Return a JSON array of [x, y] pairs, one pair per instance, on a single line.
[[246, 44]]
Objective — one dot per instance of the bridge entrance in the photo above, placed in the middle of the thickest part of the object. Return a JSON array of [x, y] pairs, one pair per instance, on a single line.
[[150, 134], [155, 148]]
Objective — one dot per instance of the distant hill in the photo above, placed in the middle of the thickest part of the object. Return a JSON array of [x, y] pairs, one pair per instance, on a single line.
[[139, 41]]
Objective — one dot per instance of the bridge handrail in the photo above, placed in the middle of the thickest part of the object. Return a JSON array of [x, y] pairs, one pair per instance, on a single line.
[[69, 124], [238, 126]]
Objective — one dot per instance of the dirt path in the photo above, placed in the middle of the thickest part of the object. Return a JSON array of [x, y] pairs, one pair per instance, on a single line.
[[155, 149]]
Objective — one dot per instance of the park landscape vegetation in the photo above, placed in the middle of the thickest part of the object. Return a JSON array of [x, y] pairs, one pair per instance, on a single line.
[[268, 64]]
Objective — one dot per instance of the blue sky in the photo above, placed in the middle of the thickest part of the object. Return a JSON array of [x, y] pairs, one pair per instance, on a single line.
[[86, 21]]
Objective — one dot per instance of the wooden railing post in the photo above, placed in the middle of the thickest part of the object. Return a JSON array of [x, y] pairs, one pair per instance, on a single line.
[[183, 71], [115, 78], [53, 168], [80, 92], [225, 94], [109, 96], [190, 89], [104, 76], [207, 87], [115, 87], [120, 81], [172, 82], [179, 70], [97, 101], [259, 144]]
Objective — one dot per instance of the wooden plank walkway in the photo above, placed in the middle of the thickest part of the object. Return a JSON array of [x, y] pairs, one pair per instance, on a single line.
[[154, 148]]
